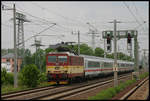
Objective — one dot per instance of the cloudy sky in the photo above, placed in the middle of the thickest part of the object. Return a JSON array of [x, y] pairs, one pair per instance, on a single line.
[[73, 16]]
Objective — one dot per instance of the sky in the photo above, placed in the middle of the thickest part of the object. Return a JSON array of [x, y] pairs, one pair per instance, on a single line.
[[73, 17]]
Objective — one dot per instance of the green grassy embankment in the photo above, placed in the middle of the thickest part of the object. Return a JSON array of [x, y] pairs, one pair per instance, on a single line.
[[111, 92]]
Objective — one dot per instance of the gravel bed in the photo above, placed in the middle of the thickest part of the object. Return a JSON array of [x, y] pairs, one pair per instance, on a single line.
[[119, 95], [141, 93], [93, 92]]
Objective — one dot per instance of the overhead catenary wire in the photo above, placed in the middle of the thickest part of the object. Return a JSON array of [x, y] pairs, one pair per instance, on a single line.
[[34, 17], [131, 12], [66, 18], [138, 12], [39, 19]]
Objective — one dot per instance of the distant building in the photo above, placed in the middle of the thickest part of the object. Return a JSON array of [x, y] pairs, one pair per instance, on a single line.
[[8, 61], [7, 66]]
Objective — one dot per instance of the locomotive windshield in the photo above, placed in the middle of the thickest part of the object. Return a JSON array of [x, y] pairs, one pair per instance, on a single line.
[[62, 58], [52, 58]]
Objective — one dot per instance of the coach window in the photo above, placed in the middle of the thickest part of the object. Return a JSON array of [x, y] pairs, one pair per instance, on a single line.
[[106, 64], [89, 64], [122, 65], [97, 64], [118, 65], [102, 64], [111, 65]]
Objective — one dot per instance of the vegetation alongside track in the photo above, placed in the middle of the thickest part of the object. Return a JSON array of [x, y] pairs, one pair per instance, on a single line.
[[111, 92], [29, 77]]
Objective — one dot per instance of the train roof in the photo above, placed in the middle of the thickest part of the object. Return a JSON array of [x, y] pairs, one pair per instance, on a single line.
[[92, 57], [68, 53], [104, 59]]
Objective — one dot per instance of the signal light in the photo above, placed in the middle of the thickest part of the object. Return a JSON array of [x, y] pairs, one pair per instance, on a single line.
[[129, 38], [108, 48], [108, 42]]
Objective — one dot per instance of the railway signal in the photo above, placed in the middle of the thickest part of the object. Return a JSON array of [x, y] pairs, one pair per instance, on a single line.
[[129, 38], [129, 41], [108, 42]]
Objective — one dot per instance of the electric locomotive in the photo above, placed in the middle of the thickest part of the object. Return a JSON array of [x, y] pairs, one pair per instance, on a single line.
[[63, 67]]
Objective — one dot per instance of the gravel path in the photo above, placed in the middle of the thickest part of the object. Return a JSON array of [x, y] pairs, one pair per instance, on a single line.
[[122, 93], [141, 93]]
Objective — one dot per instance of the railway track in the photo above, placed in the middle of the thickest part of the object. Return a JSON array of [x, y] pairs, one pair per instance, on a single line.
[[55, 92], [22, 92], [73, 91], [132, 91]]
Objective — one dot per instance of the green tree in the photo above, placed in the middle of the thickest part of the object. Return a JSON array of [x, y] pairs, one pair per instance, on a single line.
[[10, 78], [99, 52], [27, 58], [47, 50], [29, 75], [6, 78], [110, 56], [41, 64], [3, 51], [84, 49]]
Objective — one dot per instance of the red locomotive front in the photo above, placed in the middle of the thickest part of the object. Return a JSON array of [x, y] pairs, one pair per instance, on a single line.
[[62, 67]]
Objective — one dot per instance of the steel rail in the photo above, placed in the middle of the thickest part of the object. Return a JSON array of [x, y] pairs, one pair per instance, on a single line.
[[127, 95], [50, 90], [75, 90]]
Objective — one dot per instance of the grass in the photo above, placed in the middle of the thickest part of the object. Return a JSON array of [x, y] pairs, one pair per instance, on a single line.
[[10, 88], [111, 92], [144, 75]]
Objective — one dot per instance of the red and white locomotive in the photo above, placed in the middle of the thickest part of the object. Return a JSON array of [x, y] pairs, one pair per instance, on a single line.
[[63, 67]]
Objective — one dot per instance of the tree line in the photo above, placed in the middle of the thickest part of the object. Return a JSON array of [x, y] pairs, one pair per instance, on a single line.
[[39, 57]]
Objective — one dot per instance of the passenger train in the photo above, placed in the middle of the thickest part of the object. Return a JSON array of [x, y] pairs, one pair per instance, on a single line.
[[64, 67]]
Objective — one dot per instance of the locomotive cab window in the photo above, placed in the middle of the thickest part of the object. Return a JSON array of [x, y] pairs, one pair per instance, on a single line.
[[52, 58], [62, 58]]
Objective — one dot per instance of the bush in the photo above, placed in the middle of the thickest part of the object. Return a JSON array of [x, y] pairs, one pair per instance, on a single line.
[[112, 91], [6, 78], [3, 75], [10, 78], [29, 75], [42, 77]]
